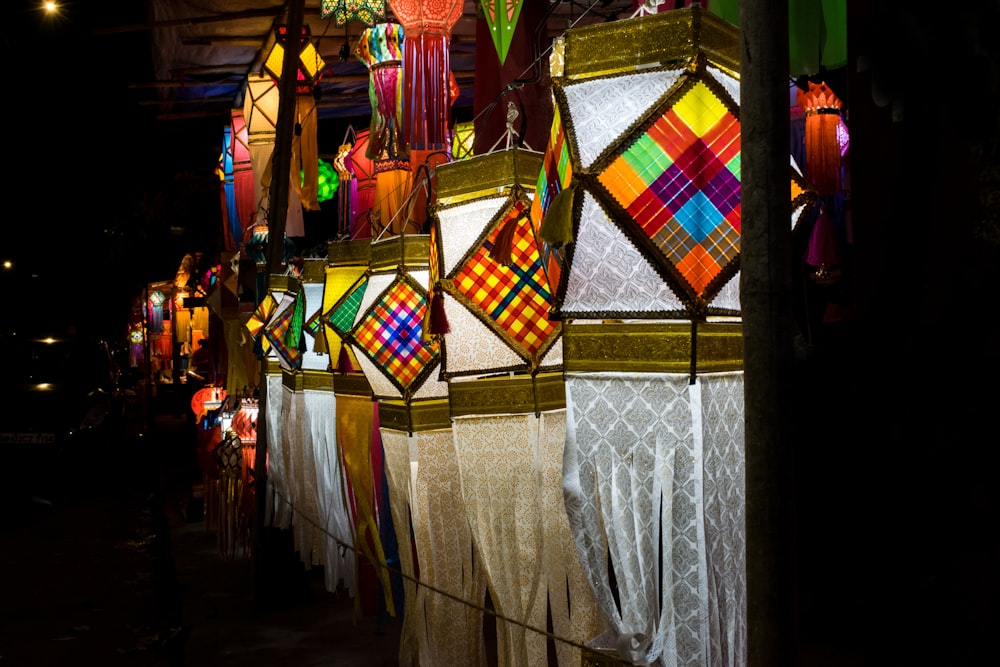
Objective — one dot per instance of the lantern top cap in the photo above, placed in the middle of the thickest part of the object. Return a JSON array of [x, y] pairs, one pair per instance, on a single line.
[[655, 39]]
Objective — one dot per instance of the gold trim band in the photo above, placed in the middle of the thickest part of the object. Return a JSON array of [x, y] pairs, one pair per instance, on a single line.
[[652, 347], [521, 394], [418, 416]]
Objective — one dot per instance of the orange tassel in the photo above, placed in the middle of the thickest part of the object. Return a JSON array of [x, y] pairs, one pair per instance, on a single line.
[[822, 109]]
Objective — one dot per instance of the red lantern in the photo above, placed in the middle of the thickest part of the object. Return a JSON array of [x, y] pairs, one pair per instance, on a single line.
[[427, 25]]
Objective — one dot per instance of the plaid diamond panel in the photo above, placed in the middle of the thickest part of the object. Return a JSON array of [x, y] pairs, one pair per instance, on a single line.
[[341, 316], [513, 299], [279, 332], [391, 334], [680, 183]]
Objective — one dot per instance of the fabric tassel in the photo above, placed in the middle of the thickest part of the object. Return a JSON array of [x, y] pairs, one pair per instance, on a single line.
[[823, 250], [557, 225], [439, 320], [503, 242], [319, 344], [344, 364]]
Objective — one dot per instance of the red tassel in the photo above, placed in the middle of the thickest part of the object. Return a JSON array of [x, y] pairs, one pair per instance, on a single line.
[[344, 364], [439, 321], [504, 241]]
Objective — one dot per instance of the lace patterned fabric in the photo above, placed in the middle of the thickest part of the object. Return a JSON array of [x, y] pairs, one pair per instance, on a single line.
[[512, 485], [444, 546], [609, 274], [330, 492], [601, 110], [651, 460], [278, 512]]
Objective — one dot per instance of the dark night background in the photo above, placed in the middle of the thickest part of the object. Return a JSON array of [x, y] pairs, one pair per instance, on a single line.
[[101, 197]]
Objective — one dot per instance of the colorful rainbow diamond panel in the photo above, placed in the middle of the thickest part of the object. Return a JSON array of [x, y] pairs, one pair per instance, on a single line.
[[680, 183], [514, 299], [341, 316], [391, 334]]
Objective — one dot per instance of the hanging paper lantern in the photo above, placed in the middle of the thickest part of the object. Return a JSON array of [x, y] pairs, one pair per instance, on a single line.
[[348, 192], [346, 280], [501, 17], [260, 111], [329, 181], [508, 430], [284, 330], [344, 11], [462, 140], [650, 108], [363, 169], [389, 215], [207, 399], [233, 230], [826, 137], [412, 411], [243, 178], [380, 48], [427, 75], [310, 62], [496, 296], [387, 334]]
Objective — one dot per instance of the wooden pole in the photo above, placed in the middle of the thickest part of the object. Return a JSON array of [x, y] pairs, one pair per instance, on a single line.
[[766, 301], [277, 210]]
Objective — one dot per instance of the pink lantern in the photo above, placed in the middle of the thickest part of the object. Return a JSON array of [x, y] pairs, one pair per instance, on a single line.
[[243, 179], [427, 71]]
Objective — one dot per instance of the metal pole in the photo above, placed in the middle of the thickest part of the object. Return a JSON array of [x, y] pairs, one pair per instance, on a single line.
[[277, 211], [767, 295]]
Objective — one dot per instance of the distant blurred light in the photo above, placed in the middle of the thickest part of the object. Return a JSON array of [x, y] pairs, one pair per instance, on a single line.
[[50, 7], [7, 264]]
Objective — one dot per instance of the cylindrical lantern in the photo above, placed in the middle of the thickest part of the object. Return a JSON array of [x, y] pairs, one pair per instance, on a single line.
[[826, 137], [243, 178], [380, 48], [427, 74], [389, 216]]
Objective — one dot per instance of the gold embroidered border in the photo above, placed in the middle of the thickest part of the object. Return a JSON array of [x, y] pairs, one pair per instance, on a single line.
[[346, 253], [314, 271], [487, 174], [412, 250], [652, 347], [520, 394], [351, 384], [418, 416], [276, 283], [625, 46]]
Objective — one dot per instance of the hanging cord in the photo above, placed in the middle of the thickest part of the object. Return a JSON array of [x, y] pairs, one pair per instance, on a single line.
[[343, 546]]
